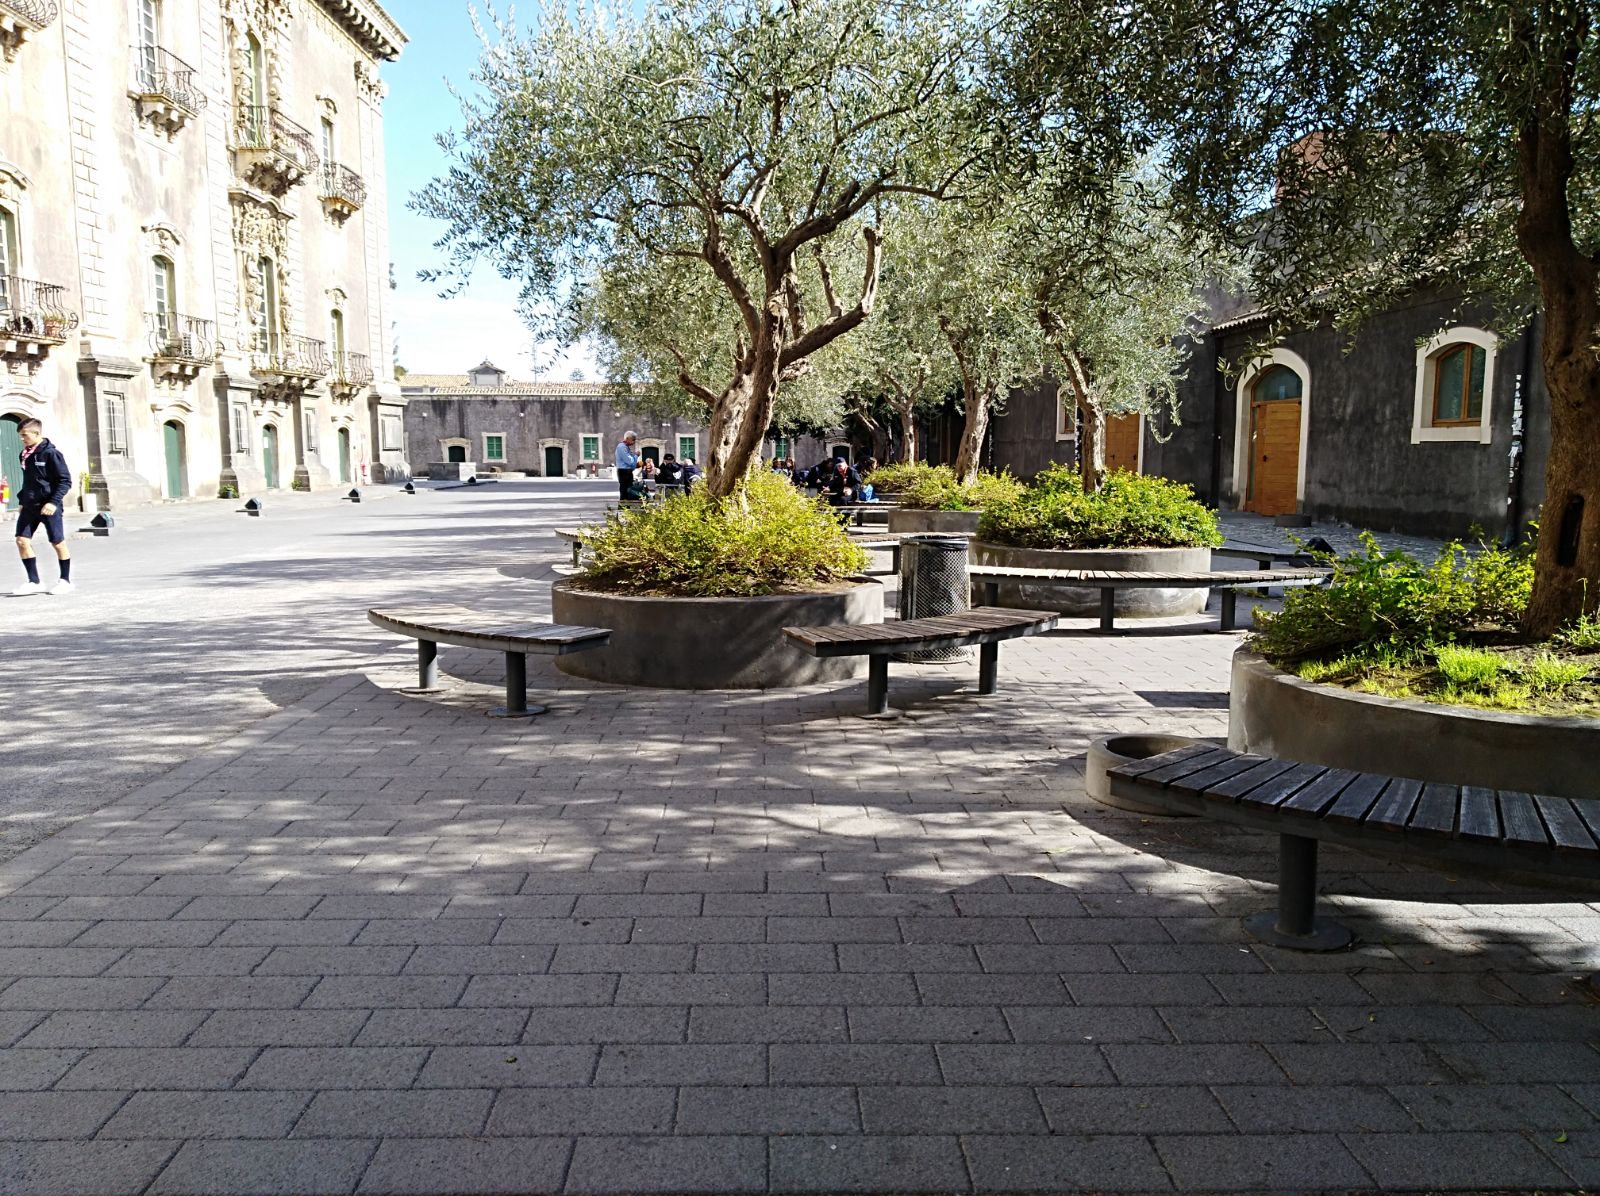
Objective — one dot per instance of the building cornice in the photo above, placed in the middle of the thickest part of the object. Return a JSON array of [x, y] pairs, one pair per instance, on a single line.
[[366, 21]]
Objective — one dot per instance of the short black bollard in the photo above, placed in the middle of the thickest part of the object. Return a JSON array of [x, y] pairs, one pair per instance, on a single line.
[[354, 495], [253, 507], [473, 480], [101, 524], [408, 488]]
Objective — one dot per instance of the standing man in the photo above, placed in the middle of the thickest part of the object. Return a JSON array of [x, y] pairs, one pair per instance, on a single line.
[[627, 462], [46, 481]]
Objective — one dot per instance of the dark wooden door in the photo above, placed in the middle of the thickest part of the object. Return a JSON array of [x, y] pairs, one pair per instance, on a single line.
[[554, 466]]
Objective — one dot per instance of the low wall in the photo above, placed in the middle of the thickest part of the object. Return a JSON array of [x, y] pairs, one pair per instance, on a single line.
[[943, 522], [1273, 713], [713, 643], [1154, 602]]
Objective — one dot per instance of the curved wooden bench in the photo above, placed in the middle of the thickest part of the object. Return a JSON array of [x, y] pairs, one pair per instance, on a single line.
[[1108, 583], [431, 626], [1306, 803], [984, 626]]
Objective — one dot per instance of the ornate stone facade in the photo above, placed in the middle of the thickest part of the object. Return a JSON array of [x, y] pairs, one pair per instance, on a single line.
[[191, 209]]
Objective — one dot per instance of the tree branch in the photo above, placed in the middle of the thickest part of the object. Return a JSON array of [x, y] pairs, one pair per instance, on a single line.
[[829, 330]]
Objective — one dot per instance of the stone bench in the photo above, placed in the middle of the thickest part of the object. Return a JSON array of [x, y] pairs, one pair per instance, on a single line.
[[431, 626], [985, 627], [1108, 583], [1306, 803]]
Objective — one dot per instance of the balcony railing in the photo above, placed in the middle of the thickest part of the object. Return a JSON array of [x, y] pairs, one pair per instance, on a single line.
[[35, 13], [267, 129], [352, 369], [291, 357], [161, 74], [34, 310], [176, 337], [343, 185]]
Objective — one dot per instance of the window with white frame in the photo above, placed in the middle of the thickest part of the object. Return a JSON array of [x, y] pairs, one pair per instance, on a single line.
[[10, 254], [241, 428], [311, 431], [391, 433], [589, 446], [116, 424], [494, 446], [688, 448], [1454, 387], [780, 447]]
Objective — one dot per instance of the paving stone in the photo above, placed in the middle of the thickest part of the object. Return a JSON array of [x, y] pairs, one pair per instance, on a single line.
[[1488, 1107], [1131, 1109], [230, 992], [646, 1064], [275, 905], [428, 1166], [846, 1063], [429, 1027], [336, 961], [298, 932], [280, 1027], [149, 1068], [1361, 1063], [57, 934], [179, 1115], [1276, 1162], [664, 1023], [180, 961], [1002, 1063], [1049, 957], [537, 1111], [507, 1067], [475, 961], [758, 1110], [921, 1163], [442, 1112], [915, 958], [54, 1115], [223, 1168], [841, 989], [1021, 1163], [920, 1023], [1311, 1108], [1234, 1024], [386, 993], [80, 1168], [639, 1164], [1443, 1160], [968, 1109], [761, 1023], [334, 1067], [1403, 1023], [768, 957], [1241, 1063], [57, 961], [1107, 988]]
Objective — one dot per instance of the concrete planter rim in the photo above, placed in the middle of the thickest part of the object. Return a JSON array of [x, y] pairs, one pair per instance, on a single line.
[[1098, 548], [854, 581], [1259, 664]]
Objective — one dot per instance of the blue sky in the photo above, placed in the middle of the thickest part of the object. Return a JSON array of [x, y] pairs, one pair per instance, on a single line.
[[446, 336]]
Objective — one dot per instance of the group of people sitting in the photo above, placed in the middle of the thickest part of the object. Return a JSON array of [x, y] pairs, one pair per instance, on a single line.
[[638, 475], [834, 478]]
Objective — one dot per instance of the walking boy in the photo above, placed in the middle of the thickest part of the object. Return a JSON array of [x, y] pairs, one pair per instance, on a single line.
[[45, 483]]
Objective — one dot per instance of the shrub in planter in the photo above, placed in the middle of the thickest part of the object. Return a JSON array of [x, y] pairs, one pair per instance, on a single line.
[[923, 487], [766, 537], [1130, 510]]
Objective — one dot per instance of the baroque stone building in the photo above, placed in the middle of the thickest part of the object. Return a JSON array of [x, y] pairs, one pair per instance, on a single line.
[[194, 258]]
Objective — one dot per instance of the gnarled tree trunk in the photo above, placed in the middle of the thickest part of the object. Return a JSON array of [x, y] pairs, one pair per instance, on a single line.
[[979, 401]]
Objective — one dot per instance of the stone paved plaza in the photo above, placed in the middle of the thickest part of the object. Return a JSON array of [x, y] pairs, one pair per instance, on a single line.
[[269, 925]]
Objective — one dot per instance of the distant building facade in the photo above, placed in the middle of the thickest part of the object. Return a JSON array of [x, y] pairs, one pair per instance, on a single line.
[[194, 250]]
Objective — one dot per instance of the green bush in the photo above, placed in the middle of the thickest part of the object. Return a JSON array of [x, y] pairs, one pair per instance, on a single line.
[[765, 538], [891, 479], [924, 487], [1581, 635], [1392, 599], [1129, 510], [1549, 675]]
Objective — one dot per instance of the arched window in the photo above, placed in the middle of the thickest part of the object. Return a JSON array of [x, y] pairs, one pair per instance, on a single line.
[[267, 284], [1458, 385], [164, 299], [1274, 383], [148, 19], [255, 99]]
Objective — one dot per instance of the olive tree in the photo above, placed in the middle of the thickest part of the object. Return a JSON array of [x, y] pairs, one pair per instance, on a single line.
[[1366, 149], [690, 182]]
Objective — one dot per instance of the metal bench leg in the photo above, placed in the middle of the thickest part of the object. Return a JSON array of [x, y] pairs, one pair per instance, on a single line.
[[988, 667], [1108, 609], [878, 687], [577, 552], [1294, 924], [1230, 610], [427, 669], [991, 593], [516, 690]]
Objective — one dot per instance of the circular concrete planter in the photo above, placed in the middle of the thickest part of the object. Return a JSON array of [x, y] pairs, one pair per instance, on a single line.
[[943, 522], [1273, 713], [713, 643], [1069, 600], [1112, 750]]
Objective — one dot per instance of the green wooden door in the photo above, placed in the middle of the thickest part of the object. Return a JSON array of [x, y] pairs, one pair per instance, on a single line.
[[344, 454], [269, 455], [10, 452], [554, 466], [456, 453], [172, 438]]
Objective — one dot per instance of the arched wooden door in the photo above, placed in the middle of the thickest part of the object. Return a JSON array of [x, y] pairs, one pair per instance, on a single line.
[[1274, 446], [10, 451], [269, 455]]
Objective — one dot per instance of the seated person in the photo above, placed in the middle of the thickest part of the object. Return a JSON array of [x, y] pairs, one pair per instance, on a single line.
[[670, 473], [689, 473], [843, 484], [781, 467]]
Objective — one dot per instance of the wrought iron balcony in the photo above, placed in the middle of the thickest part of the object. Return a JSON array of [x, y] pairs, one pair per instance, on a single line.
[[34, 311], [164, 86], [343, 191], [19, 19], [181, 338], [273, 151], [292, 361], [352, 373]]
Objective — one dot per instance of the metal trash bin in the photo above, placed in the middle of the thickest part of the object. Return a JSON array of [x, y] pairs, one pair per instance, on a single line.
[[933, 581]]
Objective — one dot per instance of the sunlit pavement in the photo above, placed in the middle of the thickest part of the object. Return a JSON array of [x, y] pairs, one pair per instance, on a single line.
[[304, 933]]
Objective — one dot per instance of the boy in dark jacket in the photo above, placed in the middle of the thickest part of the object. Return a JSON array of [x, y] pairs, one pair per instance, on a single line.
[[46, 481]]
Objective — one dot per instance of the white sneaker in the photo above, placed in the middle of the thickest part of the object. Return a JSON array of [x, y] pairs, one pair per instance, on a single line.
[[27, 588], [61, 587]]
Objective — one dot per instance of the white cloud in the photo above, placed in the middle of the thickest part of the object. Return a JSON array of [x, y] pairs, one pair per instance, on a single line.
[[449, 336]]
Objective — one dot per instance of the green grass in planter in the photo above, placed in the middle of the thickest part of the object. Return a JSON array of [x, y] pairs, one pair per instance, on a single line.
[[765, 538], [935, 488], [1130, 510]]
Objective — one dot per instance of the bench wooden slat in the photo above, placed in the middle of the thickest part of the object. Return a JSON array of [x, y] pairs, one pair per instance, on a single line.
[[1236, 787], [1217, 773], [1567, 829], [1281, 788], [1480, 815], [1589, 811], [1358, 797], [1137, 768], [1519, 819], [1321, 793], [1436, 810], [1393, 809], [980, 625], [1182, 768]]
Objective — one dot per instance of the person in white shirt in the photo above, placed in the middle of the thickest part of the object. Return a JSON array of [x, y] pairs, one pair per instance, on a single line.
[[627, 462]]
